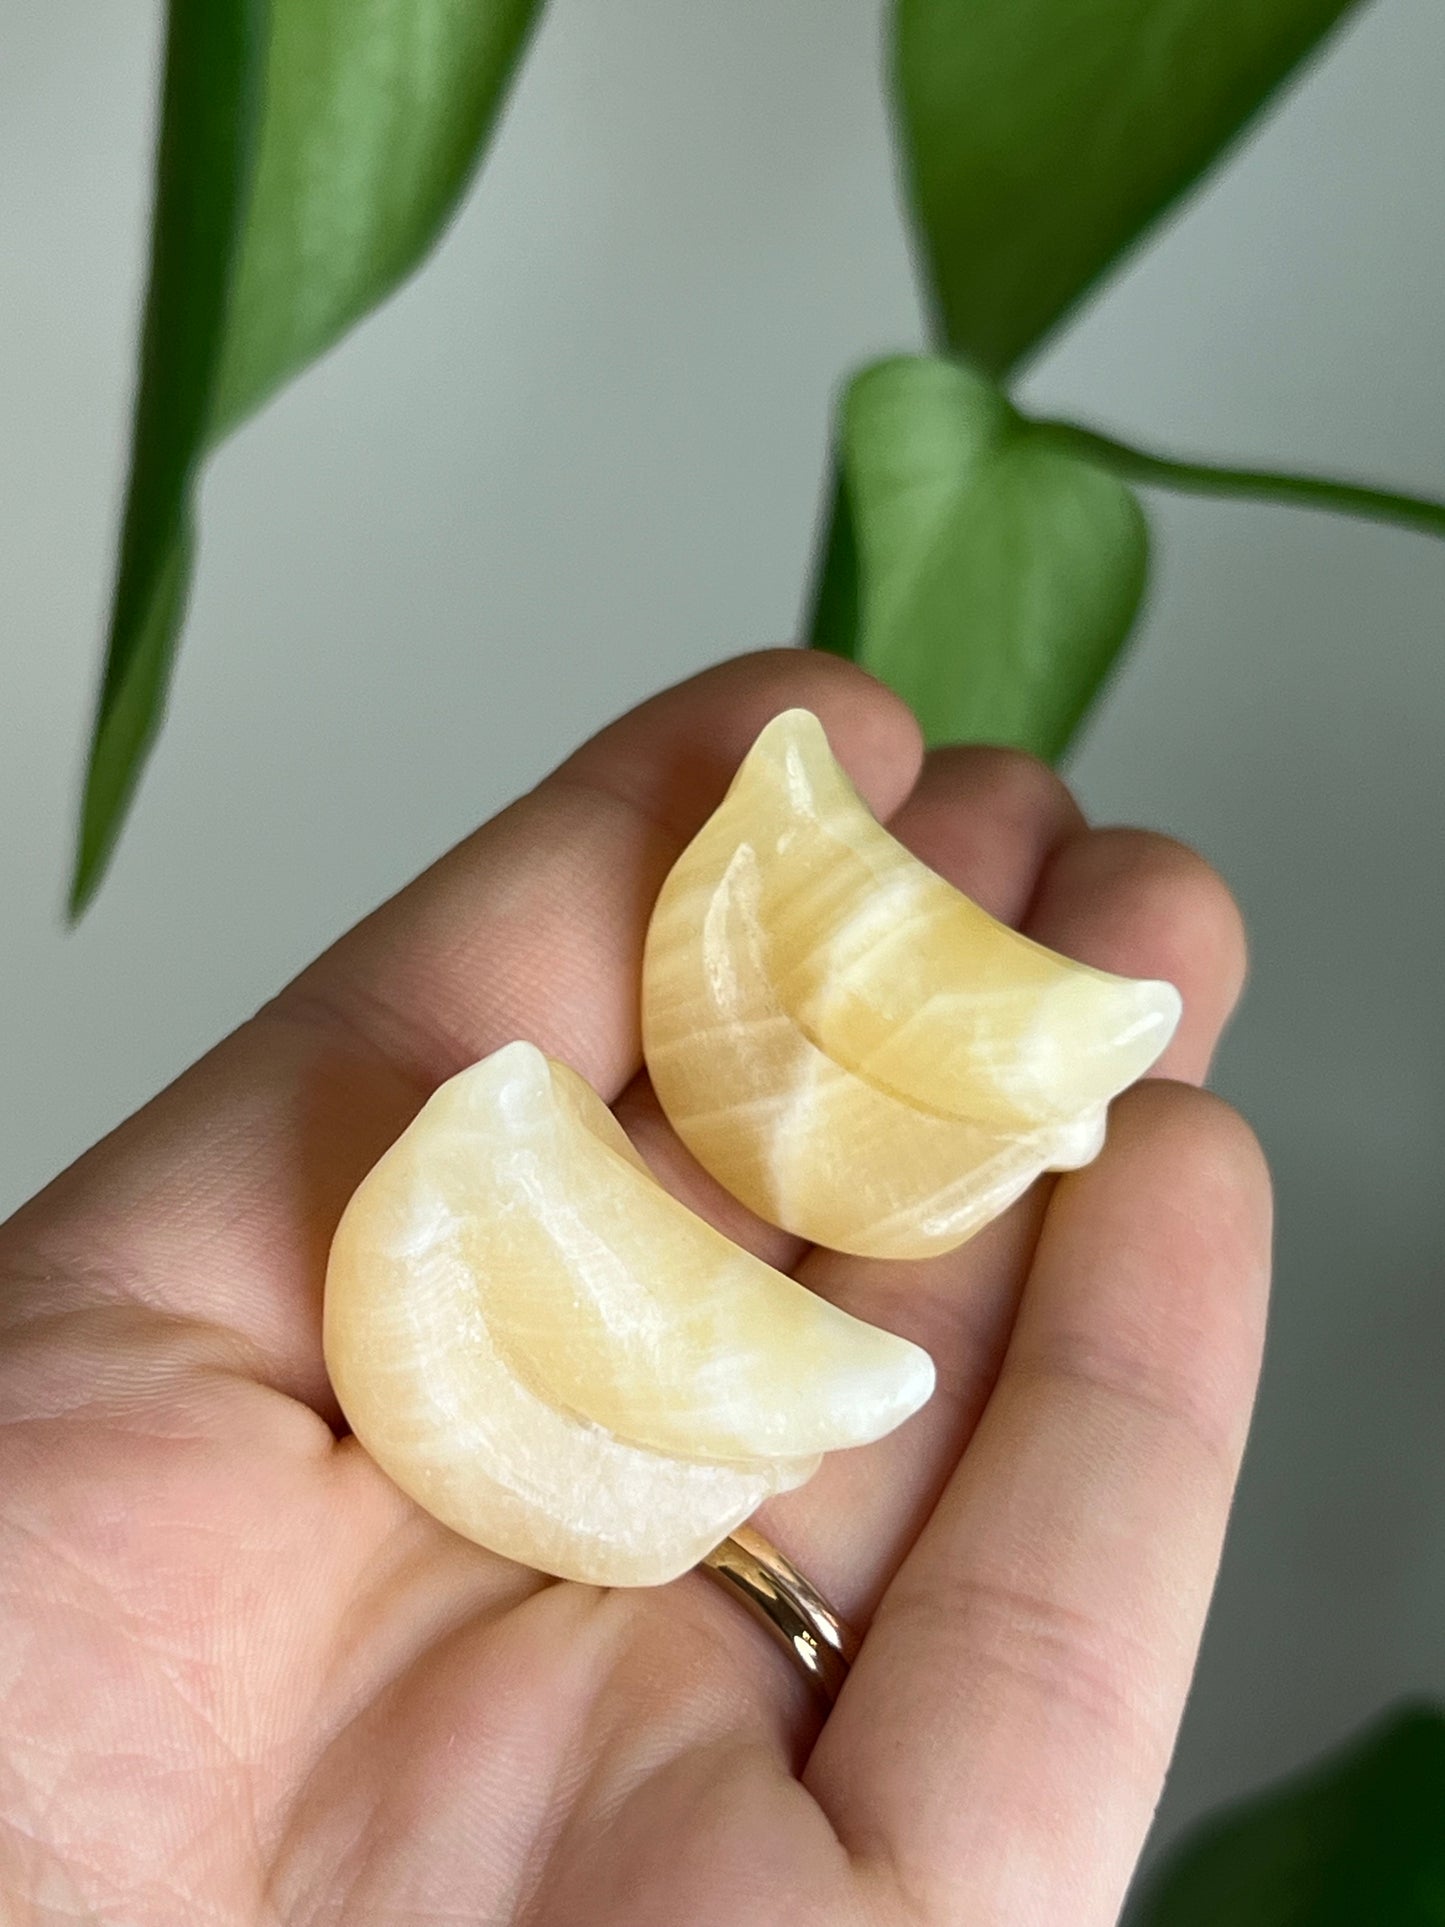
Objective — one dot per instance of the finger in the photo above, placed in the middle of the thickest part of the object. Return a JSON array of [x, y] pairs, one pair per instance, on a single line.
[[1001, 1742], [217, 1202], [1157, 910], [989, 820], [1123, 900]]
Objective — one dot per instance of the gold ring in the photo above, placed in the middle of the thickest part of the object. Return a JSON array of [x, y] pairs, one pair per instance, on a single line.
[[795, 1613]]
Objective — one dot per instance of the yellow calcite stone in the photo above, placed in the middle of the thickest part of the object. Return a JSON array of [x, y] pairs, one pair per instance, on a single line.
[[557, 1359], [849, 1044]]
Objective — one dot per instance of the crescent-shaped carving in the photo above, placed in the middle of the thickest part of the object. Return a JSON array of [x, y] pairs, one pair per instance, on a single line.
[[849, 1044], [557, 1359]]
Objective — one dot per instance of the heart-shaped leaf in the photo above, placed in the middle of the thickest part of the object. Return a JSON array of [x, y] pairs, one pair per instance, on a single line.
[[1358, 1841], [987, 575], [1040, 137], [310, 153]]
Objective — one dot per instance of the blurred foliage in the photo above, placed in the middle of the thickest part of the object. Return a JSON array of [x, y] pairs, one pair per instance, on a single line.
[[973, 540], [1358, 1841], [1041, 137], [310, 153]]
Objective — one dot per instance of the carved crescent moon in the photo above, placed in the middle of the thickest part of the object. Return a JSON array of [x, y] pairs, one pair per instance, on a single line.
[[557, 1359], [849, 1044]]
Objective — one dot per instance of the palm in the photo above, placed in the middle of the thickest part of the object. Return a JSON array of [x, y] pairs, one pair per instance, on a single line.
[[244, 1680]]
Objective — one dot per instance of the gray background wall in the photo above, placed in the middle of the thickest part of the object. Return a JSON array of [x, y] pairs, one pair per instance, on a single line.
[[579, 458]]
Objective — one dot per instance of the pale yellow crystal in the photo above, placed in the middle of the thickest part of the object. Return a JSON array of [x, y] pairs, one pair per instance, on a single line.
[[559, 1360], [849, 1044]]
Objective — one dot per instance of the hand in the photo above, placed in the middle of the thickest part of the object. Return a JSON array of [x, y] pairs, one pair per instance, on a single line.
[[244, 1680]]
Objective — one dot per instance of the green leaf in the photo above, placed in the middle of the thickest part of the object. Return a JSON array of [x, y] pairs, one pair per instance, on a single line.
[[1358, 1841], [310, 153], [986, 575], [1041, 137], [208, 119]]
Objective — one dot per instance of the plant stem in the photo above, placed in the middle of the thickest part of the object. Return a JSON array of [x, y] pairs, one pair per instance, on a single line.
[[1205, 478]]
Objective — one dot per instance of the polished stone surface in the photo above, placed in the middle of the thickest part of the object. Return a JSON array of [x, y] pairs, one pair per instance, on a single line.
[[849, 1044], [559, 1360]]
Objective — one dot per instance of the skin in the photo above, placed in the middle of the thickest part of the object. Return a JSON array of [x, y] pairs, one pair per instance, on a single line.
[[244, 1680]]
